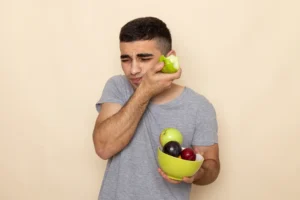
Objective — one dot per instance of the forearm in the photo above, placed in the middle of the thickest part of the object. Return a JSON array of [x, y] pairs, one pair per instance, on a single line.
[[114, 133], [208, 172]]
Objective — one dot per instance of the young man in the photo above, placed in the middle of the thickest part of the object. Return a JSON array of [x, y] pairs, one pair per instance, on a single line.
[[133, 110]]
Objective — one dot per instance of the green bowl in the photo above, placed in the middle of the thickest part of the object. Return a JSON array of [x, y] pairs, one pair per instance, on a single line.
[[177, 168]]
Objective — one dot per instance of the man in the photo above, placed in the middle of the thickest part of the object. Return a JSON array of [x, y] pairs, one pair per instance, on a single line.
[[133, 110]]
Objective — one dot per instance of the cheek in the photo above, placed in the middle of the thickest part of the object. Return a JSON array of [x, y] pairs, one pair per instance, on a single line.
[[148, 65], [125, 68]]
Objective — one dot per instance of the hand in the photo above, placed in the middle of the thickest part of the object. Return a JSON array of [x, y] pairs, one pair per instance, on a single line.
[[155, 82], [185, 179]]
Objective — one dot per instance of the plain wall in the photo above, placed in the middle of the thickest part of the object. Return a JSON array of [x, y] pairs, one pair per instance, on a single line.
[[55, 57]]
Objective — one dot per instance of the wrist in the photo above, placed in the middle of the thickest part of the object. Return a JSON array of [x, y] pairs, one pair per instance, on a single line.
[[143, 95]]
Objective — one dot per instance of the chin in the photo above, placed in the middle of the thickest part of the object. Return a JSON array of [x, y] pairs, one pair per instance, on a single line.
[[135, 85]]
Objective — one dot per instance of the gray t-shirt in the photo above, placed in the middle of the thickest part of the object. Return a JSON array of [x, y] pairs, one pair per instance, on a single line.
[[132, 173]]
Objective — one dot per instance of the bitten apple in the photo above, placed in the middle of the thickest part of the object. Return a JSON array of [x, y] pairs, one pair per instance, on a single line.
[[188, 154], [171, 64], [170, 134]]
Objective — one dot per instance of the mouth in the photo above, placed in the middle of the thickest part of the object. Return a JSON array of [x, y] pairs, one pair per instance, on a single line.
[[135, 80]]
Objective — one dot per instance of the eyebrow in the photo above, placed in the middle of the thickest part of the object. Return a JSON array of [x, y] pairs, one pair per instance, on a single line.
[[141, 55], [144, 55]]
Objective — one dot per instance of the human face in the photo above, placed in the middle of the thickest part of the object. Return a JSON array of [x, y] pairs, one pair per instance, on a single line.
[[137, 58]]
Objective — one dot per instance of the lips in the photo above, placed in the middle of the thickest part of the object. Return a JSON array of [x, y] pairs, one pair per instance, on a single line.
[[136, 80]]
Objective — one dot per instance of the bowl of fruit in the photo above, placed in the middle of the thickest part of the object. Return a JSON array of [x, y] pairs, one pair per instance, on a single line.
[[173, 159]]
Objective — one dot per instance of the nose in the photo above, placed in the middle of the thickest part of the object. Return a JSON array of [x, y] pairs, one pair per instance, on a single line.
[[135, 68]]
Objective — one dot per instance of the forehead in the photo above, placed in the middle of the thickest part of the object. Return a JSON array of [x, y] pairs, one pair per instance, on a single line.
[[144, 46]]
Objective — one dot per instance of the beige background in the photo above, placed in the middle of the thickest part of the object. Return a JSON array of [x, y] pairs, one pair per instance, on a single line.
[[55, 57]]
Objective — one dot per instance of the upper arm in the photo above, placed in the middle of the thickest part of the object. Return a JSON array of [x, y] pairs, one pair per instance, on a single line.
[[206, 129], [108, 110]]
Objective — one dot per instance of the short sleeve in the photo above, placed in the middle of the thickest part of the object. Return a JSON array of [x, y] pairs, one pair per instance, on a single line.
[[206, 131], [112, 92]]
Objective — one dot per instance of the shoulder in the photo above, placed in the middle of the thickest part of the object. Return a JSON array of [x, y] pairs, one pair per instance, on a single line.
[[117, 80], [116, 90], [200, 102], [118, 86], [118, 83], [197, 98]]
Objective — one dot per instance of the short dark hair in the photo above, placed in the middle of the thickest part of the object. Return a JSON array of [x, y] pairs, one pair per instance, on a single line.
[[147, 28]]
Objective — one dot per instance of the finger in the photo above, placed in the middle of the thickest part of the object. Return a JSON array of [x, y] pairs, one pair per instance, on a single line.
[[188, 179], [158, 67], [173, 76], [167, 178], [201, 153], [178, 73], [172, 181]]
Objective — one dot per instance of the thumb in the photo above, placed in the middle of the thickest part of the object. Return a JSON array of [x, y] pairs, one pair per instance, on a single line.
[[201, 153], [158, 67]]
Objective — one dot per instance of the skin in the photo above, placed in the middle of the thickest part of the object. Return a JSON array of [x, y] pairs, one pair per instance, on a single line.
[[116, 125]]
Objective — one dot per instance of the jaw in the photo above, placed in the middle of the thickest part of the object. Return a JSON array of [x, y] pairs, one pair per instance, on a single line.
[[134, 86]]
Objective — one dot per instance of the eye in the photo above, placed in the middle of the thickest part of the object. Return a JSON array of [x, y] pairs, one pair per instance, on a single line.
[[124, 60], [145, 59]]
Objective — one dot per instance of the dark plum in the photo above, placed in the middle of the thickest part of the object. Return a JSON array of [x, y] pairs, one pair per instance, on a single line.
[[172, 148]]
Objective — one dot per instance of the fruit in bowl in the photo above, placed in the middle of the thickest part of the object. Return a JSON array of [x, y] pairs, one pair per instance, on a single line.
[[174, 160], [172, 148], [188, 154], [177, 168], [170, 134]]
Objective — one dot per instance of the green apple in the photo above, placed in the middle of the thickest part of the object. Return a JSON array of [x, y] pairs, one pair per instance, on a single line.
[[170, 134], [171, 64]]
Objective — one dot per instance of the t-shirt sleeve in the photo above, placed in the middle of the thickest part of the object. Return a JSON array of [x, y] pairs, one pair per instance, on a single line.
[[206, 131], [112, 93]]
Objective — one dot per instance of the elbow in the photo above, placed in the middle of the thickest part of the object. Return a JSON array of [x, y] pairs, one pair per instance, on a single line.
[[100, 149], [102, 153]]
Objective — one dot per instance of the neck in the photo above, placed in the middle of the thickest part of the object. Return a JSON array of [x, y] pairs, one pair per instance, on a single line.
[[168, 95]]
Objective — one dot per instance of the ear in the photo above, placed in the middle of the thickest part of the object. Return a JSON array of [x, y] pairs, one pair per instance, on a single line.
[[172, 52]]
